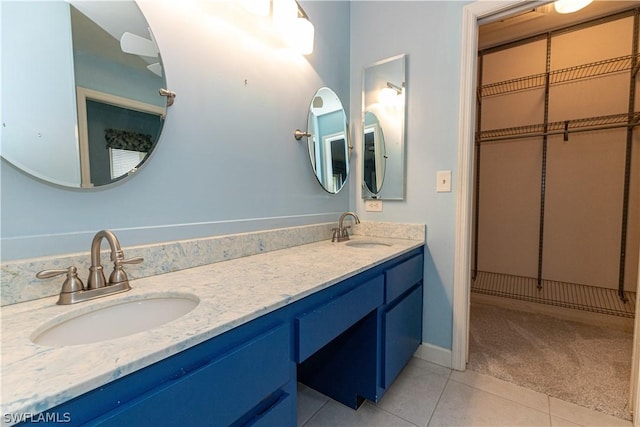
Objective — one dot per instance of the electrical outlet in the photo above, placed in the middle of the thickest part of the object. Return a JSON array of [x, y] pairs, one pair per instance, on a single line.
[[443, 184], [373, 205]]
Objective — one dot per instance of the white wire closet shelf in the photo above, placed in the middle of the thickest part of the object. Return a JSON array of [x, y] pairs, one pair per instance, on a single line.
[[584, 71], [557, 293]]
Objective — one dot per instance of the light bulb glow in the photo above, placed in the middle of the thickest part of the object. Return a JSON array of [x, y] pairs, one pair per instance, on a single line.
[[299, 36], [387, 96], [570, 6], [284, 13], [257, 7]]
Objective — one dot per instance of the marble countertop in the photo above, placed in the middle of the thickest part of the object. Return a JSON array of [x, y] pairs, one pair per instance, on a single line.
[[36, 378]]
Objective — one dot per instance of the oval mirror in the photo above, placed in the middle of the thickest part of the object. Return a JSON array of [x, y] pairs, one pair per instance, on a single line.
[[80, 90], [374, 159], [328, 140]]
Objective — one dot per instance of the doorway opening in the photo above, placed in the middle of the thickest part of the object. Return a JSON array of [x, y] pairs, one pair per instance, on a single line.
[[515, 177]]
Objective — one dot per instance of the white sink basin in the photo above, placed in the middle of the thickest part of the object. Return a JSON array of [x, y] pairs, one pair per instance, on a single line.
[[114, 321], [365, 243]]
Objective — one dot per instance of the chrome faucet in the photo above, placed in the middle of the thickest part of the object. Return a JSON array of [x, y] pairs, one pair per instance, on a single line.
[[341, 234], [73, 290]]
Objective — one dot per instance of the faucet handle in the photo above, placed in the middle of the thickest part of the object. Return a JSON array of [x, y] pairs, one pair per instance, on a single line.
[[136, 260], [118, 274], [345, 232], [71, 284]]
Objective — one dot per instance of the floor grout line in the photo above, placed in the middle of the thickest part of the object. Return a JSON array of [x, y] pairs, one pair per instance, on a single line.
[[316, 412], [435, 407]]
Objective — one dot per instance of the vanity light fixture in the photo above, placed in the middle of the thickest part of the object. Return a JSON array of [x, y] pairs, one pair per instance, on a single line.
[[289, 19], [257, 7], [396, 88], [389, 95], [570, 6], [301, 34]]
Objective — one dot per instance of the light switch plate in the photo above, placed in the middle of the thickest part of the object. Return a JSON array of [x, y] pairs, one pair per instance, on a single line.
[[373, 205], [443, 184]]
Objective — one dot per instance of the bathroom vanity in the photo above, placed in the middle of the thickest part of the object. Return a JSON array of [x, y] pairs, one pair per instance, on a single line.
[[342, 319]]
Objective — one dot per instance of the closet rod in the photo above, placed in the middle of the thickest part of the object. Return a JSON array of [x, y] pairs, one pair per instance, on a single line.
[[559, 132]]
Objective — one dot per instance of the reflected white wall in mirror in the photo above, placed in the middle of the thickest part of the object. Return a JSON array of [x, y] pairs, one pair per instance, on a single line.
[[383, 144], [66, 80]]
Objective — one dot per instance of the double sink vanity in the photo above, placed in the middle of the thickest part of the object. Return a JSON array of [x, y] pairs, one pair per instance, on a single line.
[[215, 331], [221, 344]]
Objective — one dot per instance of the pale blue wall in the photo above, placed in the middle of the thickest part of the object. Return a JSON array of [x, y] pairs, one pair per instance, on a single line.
[[429, 32], [226, 161]]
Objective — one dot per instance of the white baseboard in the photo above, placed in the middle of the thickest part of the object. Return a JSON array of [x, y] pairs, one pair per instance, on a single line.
[[434, 354]]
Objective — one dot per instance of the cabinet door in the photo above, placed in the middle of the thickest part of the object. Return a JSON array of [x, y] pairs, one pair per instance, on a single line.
[[218, 393], [402, 334]]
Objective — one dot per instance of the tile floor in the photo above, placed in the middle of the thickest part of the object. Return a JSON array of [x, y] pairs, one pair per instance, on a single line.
[[426, 394]]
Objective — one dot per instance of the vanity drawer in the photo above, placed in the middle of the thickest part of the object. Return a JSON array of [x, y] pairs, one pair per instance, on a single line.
[[317, 328], [403, 276], [218, 393], [277, 415]]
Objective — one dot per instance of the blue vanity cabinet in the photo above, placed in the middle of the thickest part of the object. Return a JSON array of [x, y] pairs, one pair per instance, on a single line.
[[353, 348], [349, 341], [401, 317], [243, 377]]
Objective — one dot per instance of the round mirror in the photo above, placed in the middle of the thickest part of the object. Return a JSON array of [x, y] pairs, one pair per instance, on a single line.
[[328, 139], [80, 90], [374, 159]]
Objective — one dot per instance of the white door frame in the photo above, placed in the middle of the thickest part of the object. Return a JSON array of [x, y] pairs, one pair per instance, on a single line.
[[464, 209], [464, 196]]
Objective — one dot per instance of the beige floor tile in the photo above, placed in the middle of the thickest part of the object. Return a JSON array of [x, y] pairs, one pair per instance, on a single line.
[[461, 405], [583, 416], [309, 402], [525, 396], [334, 414], [415, 393], [559, 422], [432, 367]]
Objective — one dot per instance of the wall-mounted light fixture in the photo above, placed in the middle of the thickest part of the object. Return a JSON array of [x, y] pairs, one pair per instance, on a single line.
[[389, 95], [570, 6], [257, 7], [289, 19]]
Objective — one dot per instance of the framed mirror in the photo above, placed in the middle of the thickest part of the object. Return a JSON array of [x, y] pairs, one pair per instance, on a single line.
[[328, 140], [81, 106], [383, 125]]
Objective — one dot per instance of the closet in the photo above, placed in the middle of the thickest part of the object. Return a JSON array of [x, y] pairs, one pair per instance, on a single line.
[[557, 186]]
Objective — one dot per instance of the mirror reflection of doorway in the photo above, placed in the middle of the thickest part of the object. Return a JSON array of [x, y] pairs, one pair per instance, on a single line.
[[338, 161], [140, 124], [111, 164], [370, 179]]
